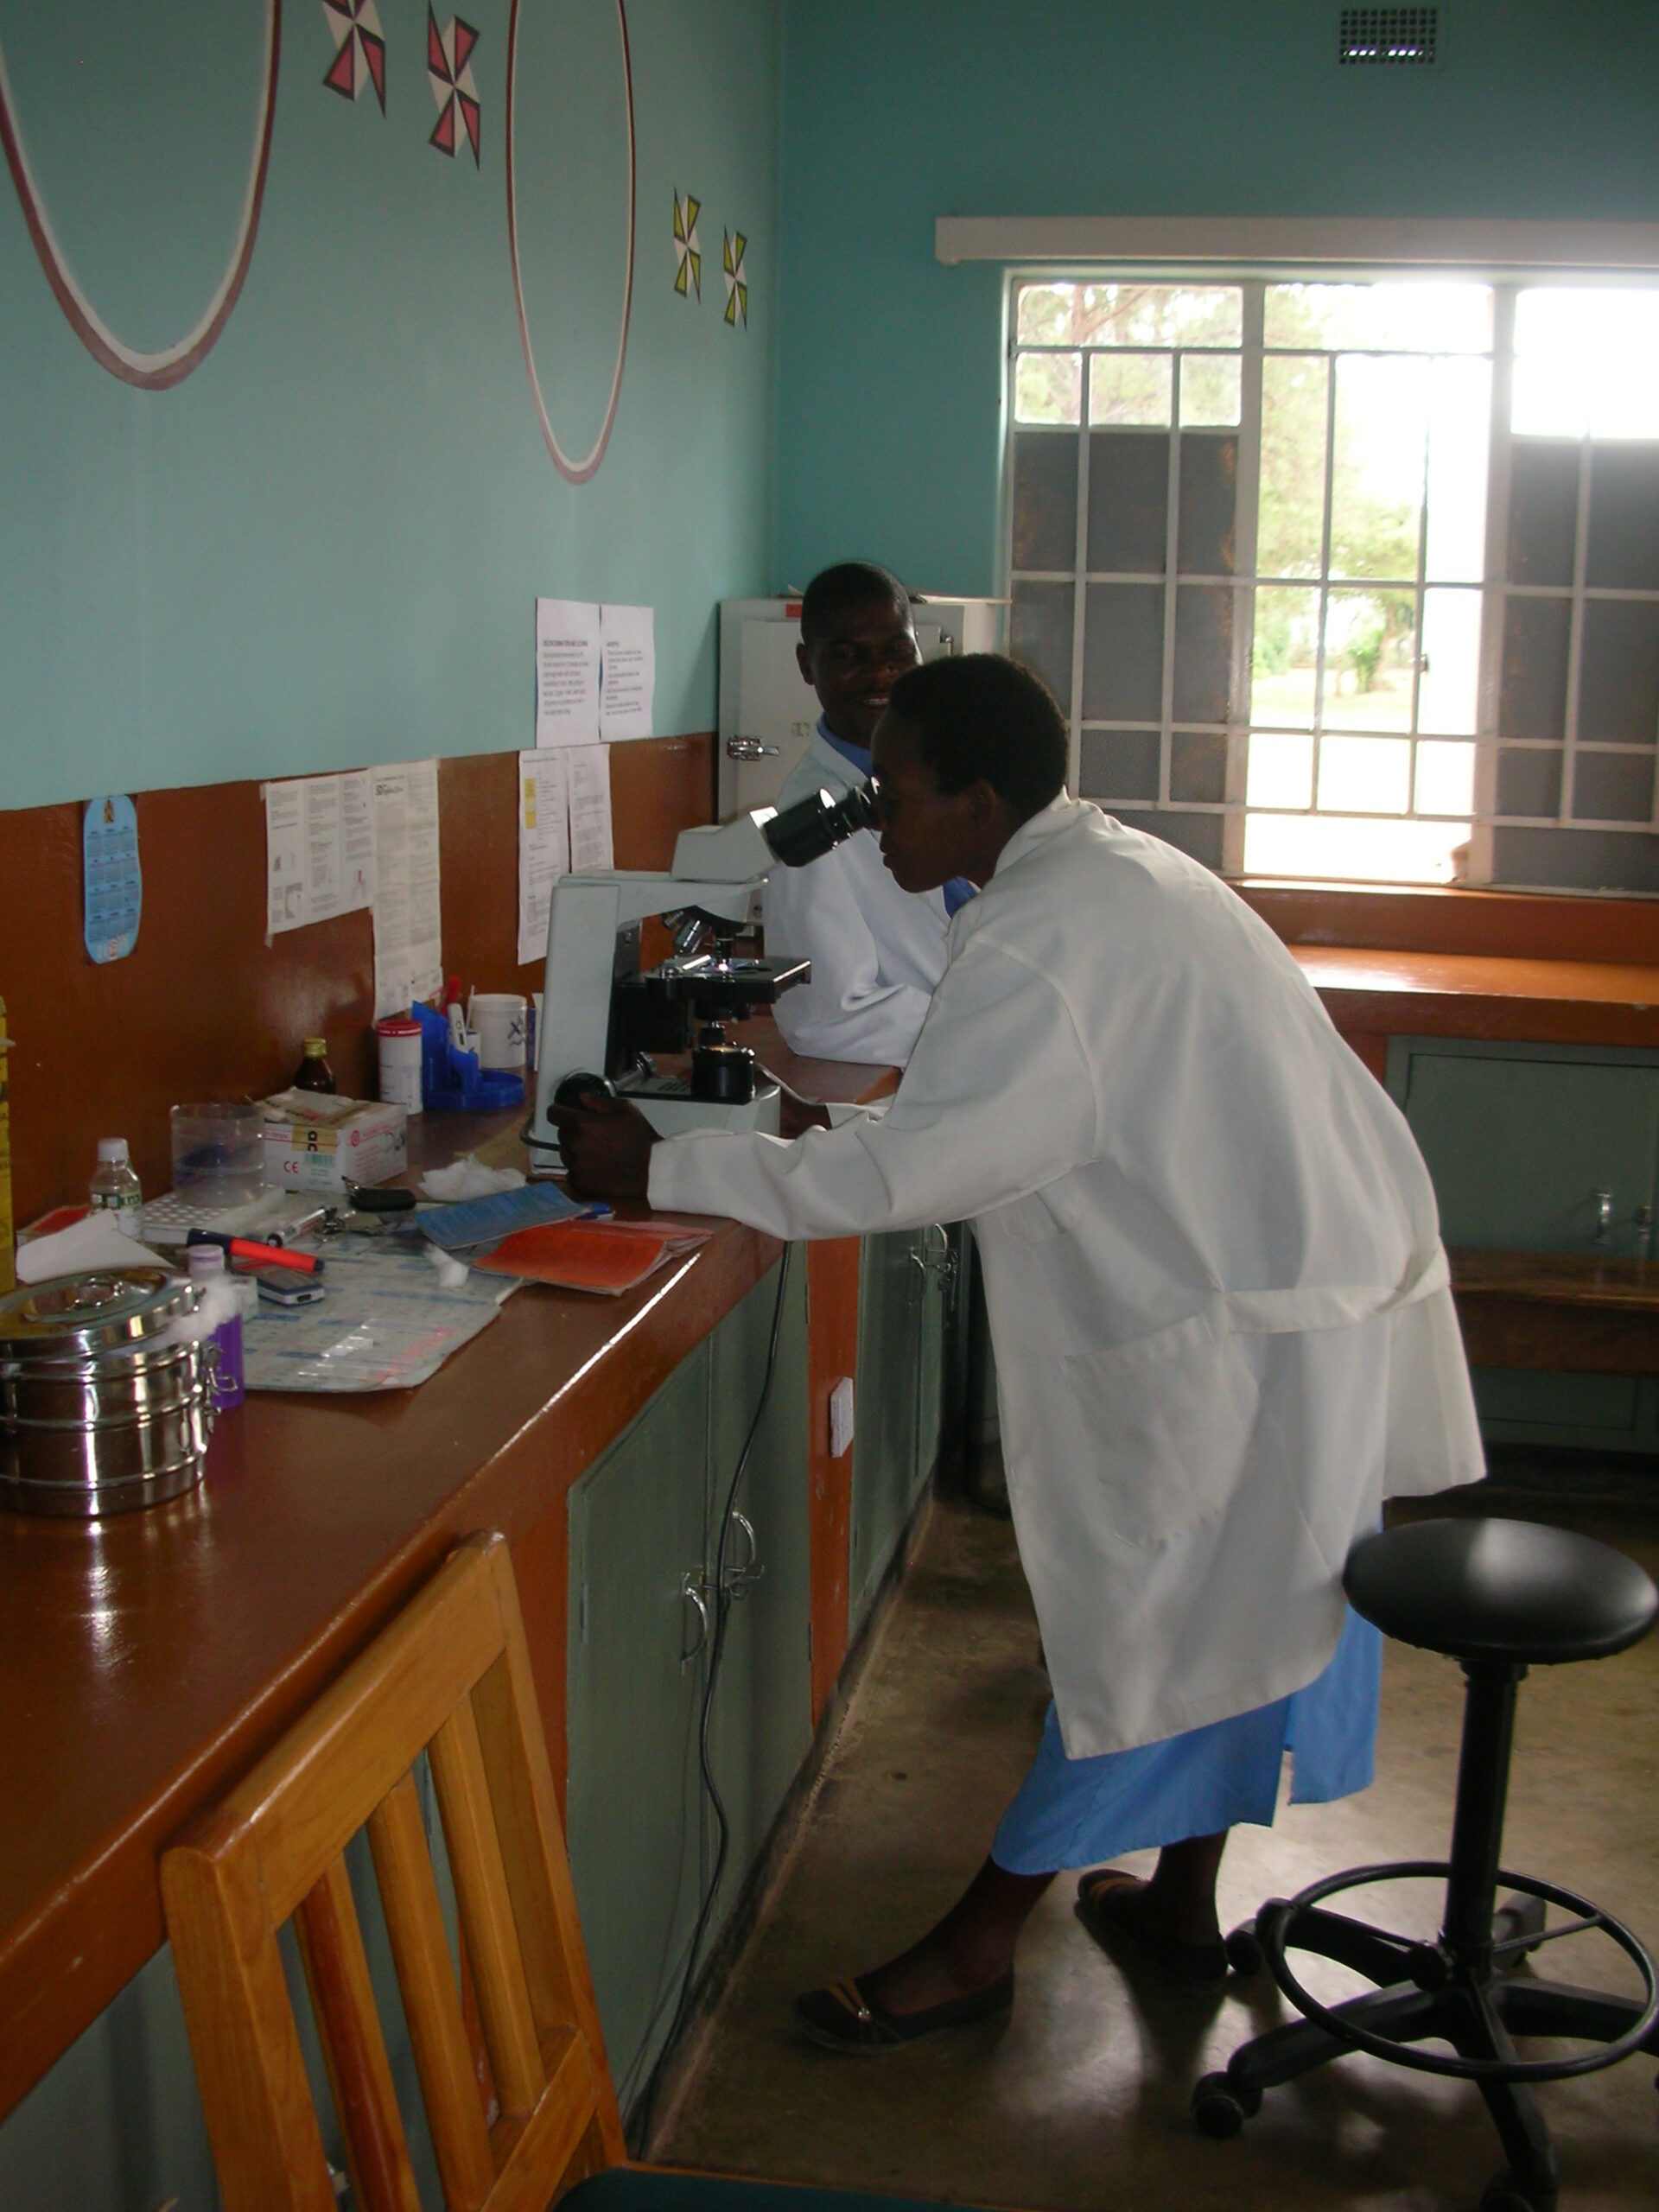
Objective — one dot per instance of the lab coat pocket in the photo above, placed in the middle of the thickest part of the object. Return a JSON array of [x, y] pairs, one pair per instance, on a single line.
[[1170, 1419]]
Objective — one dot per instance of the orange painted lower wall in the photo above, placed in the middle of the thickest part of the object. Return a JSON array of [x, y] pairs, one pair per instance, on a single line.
[[203, 1007]]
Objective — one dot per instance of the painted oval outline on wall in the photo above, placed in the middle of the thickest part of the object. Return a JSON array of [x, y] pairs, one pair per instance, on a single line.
[[578, 472], [151, 371]]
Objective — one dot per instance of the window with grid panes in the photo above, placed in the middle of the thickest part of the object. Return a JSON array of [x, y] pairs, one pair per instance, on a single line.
[[1284, 561]]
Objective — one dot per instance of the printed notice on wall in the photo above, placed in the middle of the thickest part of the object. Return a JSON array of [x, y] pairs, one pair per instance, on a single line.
[[408, 953], [319, 849], [628, 672], [543, 841], [590, 810], [567, 672]]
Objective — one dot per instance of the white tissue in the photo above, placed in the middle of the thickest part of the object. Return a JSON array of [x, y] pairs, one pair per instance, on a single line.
[[452, 1272], [93, 1241], [468, 1179]]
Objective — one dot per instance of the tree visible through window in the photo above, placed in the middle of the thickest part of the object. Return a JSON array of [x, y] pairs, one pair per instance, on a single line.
[[1251, 552]]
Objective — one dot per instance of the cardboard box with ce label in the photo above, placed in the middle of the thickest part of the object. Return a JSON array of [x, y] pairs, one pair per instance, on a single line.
[[315, 1142]]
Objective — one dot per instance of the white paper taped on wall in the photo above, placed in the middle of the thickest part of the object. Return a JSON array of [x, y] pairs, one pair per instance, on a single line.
[[567, 672], [591, 844], [628, 671], [544, 842], [408, 950], [319, 849]]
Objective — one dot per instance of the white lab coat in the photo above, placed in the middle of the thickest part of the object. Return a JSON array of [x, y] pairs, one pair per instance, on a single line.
[[1217, 1290], [877, 953]]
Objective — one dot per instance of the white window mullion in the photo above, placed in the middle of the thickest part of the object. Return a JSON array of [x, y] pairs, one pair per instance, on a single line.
[[1494, 598], [1246, 530], [1575, 637], [1419, 603], [1079, 584], [1324, 569], [1172, 536]]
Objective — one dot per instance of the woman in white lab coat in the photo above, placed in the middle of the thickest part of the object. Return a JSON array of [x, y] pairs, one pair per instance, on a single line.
[[1217, 1296]]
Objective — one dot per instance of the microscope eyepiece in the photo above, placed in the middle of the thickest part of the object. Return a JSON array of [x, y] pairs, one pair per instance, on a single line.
[[815, 825]]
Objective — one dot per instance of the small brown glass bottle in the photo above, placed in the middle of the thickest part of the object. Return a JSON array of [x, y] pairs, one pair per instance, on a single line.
[[313, 1072]]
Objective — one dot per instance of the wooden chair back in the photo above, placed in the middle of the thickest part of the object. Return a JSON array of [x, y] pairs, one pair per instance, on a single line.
[[449, 1676]]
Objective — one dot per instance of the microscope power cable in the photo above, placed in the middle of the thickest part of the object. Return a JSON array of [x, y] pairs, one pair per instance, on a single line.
[[723, 1602]]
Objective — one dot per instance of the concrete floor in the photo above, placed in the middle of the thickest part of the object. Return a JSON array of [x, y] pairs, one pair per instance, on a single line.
[[1080, 2098]]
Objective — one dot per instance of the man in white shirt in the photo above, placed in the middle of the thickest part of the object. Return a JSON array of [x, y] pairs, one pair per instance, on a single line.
[[876, 951], [1220, 1307]]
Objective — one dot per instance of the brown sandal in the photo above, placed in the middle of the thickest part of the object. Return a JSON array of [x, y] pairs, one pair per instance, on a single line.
[[1101, 1897]]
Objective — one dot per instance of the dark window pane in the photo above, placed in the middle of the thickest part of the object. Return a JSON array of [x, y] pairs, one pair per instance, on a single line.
[[1532, 699], [1119, 764], [1623, 552], [1044, 499], [1543, 511], [1209, 498], [1198, 765], [1612, 787], [1203, 652], [1128, 501], [1577, 860], [1123, 653], [1529, 782], [1039, 634], [1200, 834], [1618, 684]]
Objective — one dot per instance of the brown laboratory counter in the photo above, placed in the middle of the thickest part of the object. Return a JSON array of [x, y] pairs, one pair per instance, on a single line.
[[150, 1658]]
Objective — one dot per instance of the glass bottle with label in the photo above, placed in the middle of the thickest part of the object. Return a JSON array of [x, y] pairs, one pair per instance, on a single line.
[[313, 1072]]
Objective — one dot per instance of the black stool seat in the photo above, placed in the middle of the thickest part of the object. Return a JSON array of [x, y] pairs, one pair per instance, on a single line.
[[1500, 1597], [1505, 1590]]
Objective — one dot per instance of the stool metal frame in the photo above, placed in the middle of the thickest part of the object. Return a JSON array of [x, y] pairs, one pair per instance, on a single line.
[[1470, 1987]]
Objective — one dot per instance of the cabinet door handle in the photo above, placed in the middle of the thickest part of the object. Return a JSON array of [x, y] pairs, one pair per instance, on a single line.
[[740, 1576], [1603, 1202], [749, 748], [693, 1590]]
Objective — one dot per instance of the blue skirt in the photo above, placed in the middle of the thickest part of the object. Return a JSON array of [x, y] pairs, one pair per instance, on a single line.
[[1082, 1812]]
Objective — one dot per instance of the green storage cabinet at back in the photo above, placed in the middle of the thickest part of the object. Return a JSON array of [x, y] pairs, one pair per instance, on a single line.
[[1519, 1140]]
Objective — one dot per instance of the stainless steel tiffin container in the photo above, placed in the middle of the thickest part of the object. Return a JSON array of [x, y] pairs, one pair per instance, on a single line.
[[100, 1410]]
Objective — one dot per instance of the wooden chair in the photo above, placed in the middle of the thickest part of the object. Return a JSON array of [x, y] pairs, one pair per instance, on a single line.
[[449, 1676]]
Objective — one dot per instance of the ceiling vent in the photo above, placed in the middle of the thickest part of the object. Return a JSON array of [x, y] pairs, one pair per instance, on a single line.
[[1389, 35]]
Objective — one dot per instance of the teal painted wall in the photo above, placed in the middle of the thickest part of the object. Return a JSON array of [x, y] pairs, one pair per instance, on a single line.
[[323, 547], [890, 369]]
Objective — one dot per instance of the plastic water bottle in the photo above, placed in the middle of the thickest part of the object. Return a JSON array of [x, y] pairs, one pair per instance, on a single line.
[[220, 1311], [116, 1189]]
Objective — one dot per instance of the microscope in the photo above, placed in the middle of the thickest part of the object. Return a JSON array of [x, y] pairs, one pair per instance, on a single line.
[[602, 1019]]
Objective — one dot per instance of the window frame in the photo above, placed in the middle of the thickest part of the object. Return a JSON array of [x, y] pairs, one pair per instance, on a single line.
[[1494, 588]]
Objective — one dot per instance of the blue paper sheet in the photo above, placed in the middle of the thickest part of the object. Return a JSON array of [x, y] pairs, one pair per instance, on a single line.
[[482, 1221]]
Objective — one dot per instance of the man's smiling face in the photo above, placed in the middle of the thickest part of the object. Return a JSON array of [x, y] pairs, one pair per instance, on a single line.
[[855, 664]]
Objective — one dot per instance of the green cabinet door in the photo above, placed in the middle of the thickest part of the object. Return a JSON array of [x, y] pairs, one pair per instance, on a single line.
[[1542, 1148], [884, 1433], [635, 1684], [1519, 1147], [116, 2124], [760, 1724]]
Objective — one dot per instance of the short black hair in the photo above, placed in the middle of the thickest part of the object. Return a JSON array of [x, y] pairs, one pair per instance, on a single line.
[[978, 716], [849, 583]]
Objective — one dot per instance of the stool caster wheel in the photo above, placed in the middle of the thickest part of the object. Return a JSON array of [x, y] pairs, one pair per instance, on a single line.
[[1244, 1954], [1504, 2194], [1515, 1919], [1221, 2107]]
